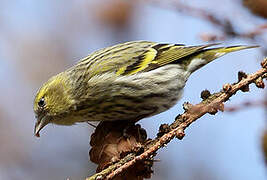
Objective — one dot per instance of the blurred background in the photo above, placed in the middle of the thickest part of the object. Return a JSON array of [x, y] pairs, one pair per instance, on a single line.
[[39, 39]]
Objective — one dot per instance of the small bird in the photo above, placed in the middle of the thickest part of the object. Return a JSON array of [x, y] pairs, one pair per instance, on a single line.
[[128, 81]]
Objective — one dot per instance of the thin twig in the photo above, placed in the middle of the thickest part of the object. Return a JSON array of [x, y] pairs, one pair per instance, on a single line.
[[226, 25], [245, 105]]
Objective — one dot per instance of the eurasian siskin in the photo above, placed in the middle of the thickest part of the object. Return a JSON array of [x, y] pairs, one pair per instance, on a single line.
[[128, 81]]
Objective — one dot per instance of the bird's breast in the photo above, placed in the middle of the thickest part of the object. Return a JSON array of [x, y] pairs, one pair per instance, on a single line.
[[134, 97]]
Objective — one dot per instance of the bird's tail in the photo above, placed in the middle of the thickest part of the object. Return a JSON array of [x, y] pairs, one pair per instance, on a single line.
[[218, 52], [205, 56]]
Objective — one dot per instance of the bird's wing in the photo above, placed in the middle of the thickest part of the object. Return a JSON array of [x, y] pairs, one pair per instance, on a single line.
[[136, 56]]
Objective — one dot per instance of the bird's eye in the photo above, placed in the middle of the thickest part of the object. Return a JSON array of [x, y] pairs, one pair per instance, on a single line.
[[41, 103]]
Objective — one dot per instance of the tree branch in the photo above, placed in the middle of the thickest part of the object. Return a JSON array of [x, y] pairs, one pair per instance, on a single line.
[[227, 26], [210, 104], [245, 105]]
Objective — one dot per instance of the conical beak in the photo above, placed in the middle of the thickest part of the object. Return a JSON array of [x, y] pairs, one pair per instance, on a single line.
[[40, 124]]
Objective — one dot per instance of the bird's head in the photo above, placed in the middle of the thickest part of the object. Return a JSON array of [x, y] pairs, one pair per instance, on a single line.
[[51, 102]]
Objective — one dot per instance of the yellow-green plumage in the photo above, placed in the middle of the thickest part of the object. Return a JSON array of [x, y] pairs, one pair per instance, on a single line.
[[127, 81]]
